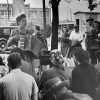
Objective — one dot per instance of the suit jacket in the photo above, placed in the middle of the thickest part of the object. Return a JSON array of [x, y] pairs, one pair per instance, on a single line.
[[17, 85]]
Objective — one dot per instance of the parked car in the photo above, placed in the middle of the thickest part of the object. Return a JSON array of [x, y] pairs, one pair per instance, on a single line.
[[5, 32]]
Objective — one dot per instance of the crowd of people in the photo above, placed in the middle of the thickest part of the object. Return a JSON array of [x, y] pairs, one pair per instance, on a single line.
[[21, 81]]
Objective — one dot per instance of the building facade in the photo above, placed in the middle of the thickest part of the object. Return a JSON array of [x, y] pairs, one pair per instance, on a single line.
[[81, 17], [34, 15]]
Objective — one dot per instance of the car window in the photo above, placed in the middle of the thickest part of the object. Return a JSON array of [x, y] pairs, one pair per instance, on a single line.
[[1, 31], [6, 31]]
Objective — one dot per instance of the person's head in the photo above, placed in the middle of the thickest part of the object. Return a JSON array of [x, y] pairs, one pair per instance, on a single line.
[[98, 55], [81, 56], [29, 55], [64, 29], [57, 58], [37, 28], [90, 21], [96, 25], [14, 60], [21, 20], [76, 28], [18, 50]]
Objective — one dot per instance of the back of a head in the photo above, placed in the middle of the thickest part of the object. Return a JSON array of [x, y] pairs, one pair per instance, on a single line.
[[14, 60], [18, 50], [81, 55], [29, 54]]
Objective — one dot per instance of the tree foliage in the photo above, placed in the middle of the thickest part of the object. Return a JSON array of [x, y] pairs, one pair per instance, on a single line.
[[91, 5]]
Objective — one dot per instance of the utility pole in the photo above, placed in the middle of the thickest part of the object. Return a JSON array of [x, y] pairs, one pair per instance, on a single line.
[[8, 8], [44, 16]]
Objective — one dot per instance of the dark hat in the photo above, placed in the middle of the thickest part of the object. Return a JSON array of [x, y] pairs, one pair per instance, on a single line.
[[18, 50], [55, 84], [29, 53], [90, 19]]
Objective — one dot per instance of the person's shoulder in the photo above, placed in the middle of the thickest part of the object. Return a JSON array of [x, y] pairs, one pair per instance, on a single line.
[[28, 76], [5, 78], [77, 70]]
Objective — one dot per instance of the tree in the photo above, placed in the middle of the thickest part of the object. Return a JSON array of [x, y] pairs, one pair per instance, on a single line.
[[55, 23], [48, 30], [91, 5]]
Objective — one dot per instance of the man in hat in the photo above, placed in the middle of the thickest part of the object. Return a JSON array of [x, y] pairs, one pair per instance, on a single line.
[[93, 41], [57, 69]]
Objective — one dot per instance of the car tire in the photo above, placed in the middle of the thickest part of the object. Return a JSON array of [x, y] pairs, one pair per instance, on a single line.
[[3, 45]]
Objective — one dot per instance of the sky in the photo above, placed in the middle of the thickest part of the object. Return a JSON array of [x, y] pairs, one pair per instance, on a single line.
[[65, 10]]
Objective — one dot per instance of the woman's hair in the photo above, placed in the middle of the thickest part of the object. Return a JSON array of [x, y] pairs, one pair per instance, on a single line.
[[18, 19]]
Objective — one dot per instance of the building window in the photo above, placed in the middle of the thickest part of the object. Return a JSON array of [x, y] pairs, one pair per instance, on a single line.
[[47, 14], [4, 5], [4, 13], [32, 14]]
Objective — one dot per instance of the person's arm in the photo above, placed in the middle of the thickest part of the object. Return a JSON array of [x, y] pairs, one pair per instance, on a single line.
[[13, 35], [34, 91]]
